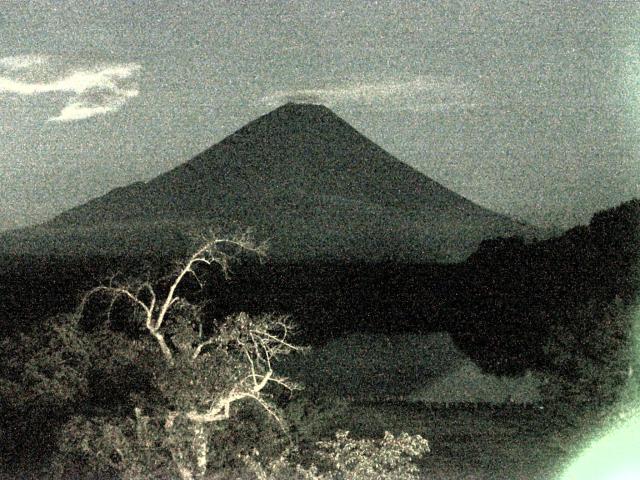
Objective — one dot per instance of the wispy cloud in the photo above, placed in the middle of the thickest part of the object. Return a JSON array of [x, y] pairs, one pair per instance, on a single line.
[[424, 93], [21, 62], [91, 91]]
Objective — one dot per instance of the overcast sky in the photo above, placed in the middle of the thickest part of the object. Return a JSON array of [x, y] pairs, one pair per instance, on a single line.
[[529, 108]]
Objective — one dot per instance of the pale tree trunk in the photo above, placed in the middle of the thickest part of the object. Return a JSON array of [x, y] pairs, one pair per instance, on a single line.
[[200, 449], [192, 465], [177, 453], [181, 465], [185, 473]]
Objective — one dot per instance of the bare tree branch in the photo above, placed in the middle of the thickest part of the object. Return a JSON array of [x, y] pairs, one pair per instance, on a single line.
[[201, 384], [259, 349], [199, 348], [208, 253]]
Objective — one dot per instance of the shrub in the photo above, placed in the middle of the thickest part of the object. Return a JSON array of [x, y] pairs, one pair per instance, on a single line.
[[590, 358], [310, 420], [183, 379], [344, 458]]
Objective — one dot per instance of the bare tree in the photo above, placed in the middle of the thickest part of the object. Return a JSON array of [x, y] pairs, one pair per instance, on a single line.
[[200, 376]]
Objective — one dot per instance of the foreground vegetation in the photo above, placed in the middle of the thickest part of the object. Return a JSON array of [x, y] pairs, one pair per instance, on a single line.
[[143, 381], [144, 387], [484, 443]]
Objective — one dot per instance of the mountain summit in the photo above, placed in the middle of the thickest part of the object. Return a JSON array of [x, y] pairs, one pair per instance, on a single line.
[[303, 178]]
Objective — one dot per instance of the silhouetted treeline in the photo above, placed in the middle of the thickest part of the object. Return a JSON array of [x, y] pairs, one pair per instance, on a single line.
[[325, 299], [571, 293], [34, 287]]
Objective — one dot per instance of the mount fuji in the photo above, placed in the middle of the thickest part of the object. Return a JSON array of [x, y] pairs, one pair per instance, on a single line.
[[303, 179]]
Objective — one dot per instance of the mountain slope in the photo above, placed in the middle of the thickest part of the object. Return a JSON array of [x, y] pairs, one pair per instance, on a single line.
[[302, 177]]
